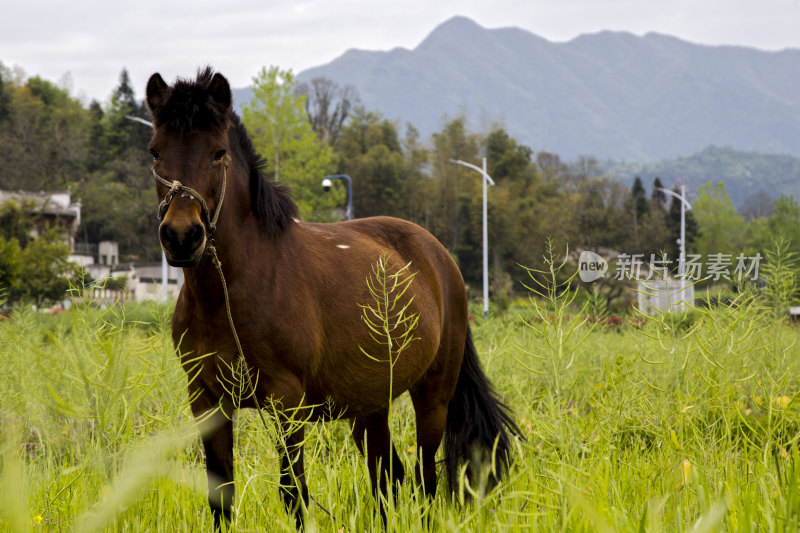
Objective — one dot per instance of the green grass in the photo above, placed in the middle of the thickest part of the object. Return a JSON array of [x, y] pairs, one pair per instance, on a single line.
[[667, 426]]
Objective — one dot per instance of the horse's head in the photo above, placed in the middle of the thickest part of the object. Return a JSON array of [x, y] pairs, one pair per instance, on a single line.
[[189, 149]]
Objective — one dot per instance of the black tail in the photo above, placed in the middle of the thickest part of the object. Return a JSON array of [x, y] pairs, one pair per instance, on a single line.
[[477, 424]]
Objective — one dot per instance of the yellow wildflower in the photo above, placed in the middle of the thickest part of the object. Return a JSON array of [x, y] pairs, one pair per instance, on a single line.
[[687, 469], [782, 401]]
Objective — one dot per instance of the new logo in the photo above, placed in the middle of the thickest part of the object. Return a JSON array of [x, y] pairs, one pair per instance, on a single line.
[[591, 267]]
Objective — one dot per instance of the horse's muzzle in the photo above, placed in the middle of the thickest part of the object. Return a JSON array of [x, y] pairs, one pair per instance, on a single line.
[[184, 246]]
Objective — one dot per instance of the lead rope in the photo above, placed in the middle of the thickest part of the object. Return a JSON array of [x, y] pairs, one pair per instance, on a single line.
[[212, 250]]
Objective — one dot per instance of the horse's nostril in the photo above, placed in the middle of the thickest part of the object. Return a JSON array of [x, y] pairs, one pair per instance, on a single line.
[[185, 242], [194, 237], [167, 233]]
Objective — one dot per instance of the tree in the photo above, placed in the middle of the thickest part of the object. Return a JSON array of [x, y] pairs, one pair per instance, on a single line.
[[515, 229], [278, 125], [757, 205], [39, 272], [658, 197], [45, 271], [509, 160], [10, 264], [328, 105], [647, 221], [721, 229], [416, 198], [785, 221], [16, 221], [757, 237], [601, 215], [371, 154], [452, 188], [43, 137], [762, 233], [640, 204], [122, 134], [97, 149], [5, 93], [275, 116]]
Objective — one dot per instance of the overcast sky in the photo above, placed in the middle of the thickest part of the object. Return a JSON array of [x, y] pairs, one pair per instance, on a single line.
[[85, 44]]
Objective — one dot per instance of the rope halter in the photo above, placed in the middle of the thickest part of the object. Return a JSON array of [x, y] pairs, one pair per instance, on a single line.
[[176, 187]]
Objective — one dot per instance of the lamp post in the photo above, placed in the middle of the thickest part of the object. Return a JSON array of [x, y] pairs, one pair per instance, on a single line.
[[326, 184], [487, 180], [164, 272], [682, 241]]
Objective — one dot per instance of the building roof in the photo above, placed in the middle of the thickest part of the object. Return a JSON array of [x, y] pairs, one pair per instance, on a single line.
[[54, 203]]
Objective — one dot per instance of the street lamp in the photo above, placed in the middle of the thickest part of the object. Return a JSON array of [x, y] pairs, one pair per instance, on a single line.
[[326, 185], [682, 241], [140, 120], [487, 179], [164, 272]]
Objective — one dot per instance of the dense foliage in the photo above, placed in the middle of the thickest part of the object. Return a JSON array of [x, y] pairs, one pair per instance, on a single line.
[[310, 130], [51, 142]]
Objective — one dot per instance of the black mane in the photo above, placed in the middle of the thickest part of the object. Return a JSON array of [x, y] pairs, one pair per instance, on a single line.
[[188, 107], [271, 202]]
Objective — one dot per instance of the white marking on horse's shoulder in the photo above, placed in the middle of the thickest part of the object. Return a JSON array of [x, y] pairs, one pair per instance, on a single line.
[[343, 246], [296, 220]]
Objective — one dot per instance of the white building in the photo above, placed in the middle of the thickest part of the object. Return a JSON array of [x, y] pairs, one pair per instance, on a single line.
[[49, 209], [113, 281], [134, 281]]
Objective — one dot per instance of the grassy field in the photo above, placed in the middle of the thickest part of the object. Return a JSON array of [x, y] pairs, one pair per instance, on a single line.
[[679, 424]]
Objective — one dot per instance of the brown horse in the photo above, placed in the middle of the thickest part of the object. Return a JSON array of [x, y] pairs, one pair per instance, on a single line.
[[295, 294]]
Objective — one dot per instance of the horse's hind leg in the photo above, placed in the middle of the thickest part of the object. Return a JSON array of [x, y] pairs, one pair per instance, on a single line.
[[431, 396], [373, 430], [430, 408]]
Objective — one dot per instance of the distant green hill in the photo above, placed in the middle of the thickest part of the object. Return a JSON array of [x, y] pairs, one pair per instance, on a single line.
[[744, 173]]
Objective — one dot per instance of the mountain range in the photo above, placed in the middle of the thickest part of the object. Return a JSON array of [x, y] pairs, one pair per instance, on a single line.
[[610, 95]]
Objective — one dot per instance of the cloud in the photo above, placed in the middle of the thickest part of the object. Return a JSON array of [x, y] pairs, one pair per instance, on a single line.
[[94, 40]]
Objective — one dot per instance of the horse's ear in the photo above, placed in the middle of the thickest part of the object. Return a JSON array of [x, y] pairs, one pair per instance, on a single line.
[[156, 91], [220, 91]]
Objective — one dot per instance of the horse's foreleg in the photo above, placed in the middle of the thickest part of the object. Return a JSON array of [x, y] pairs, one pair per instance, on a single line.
[[293, 477], [217, 437], [373, 431]]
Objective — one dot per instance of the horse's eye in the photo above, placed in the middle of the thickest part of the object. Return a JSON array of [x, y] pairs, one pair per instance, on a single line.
[[155, 155], [219, 155]]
